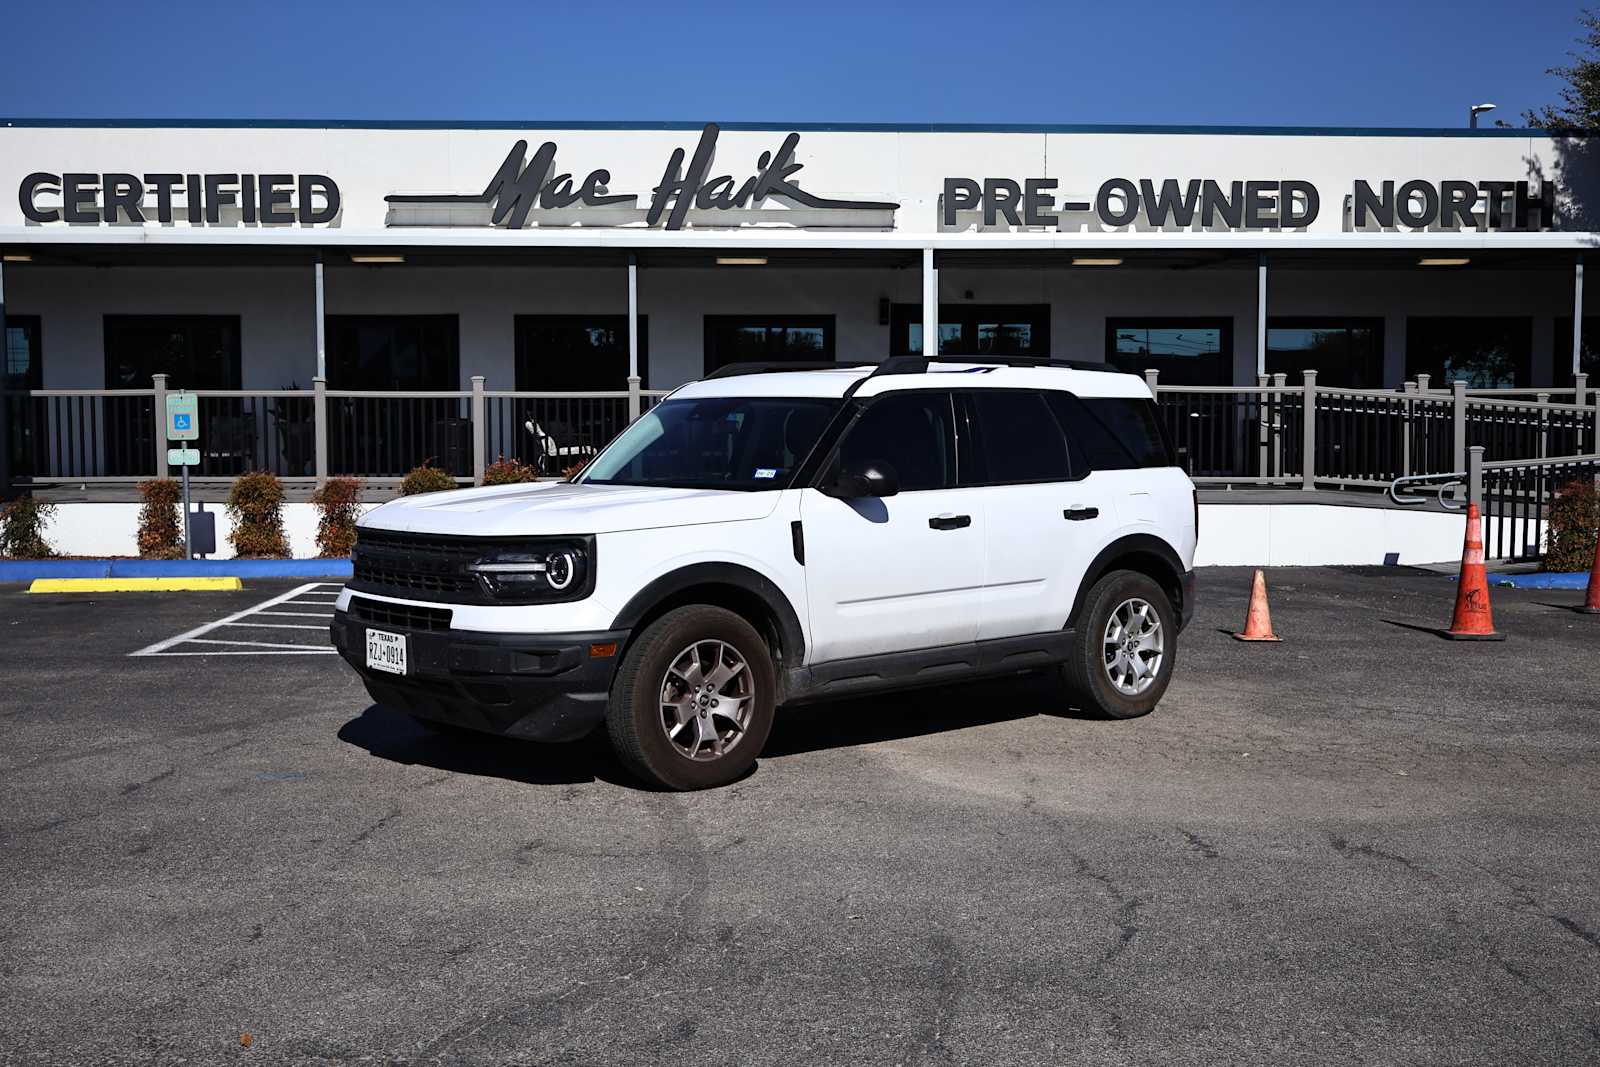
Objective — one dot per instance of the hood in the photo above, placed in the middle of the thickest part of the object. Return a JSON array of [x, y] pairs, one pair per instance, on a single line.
[[539, 508]]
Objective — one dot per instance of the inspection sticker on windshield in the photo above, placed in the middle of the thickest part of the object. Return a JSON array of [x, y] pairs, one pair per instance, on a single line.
[[766, 472]]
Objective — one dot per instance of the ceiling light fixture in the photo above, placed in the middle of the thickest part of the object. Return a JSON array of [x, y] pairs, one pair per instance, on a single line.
[[1091, 261], [741, 261], [17, 257], [1447, 261], [377, 259]]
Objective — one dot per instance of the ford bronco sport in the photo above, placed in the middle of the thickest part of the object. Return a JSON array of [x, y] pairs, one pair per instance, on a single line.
[[772, 535]]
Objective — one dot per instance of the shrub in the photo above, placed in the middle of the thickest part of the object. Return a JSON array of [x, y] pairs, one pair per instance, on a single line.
[[573, 471], [1574, 518], [255, 504], [505, 471], [339, 504], [426, 479], [22, 528], [160, 525]]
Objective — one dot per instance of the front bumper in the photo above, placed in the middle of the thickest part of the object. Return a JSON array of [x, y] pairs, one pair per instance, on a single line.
[[542, 687]]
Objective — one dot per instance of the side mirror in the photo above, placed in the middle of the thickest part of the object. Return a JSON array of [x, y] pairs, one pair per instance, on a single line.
[[873, 479]]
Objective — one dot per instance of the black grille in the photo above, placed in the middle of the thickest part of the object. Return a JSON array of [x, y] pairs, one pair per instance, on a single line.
[[400, 616], [419, 565]]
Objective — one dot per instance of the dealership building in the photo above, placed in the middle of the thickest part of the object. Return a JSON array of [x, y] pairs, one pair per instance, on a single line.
[[615, 261]]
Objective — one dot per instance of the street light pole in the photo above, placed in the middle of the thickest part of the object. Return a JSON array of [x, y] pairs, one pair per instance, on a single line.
[[1474, 111]]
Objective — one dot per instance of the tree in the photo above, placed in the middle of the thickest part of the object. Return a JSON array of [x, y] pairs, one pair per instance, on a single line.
[[1580, 96]]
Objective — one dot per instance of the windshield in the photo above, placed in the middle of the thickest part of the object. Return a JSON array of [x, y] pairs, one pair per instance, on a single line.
[[744, 443]]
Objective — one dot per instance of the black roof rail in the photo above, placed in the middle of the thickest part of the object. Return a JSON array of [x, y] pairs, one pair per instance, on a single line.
[[733, 370], [920, 364]]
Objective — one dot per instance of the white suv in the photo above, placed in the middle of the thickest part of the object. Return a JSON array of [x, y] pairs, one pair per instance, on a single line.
[[769, 536]]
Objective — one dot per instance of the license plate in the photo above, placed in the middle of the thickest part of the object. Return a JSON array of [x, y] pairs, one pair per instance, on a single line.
[[386, 651]]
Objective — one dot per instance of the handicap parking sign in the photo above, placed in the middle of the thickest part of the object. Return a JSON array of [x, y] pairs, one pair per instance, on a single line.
[[183, 417]]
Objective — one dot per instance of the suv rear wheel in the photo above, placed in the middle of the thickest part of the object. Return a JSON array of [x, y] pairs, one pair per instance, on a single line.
[[1124, 648], [692, 703]]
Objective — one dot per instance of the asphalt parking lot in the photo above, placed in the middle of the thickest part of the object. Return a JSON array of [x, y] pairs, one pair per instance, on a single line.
[[1365, 845]]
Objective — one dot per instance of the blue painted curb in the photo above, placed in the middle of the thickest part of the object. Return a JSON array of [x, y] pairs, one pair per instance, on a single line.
[[1568, 580], [26, 570]]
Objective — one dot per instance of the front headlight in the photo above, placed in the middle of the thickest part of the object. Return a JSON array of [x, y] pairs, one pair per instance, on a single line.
[[538, 571]]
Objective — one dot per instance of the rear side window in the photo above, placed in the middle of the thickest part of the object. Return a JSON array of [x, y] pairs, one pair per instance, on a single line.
[[1112, 433], [1018, 440]]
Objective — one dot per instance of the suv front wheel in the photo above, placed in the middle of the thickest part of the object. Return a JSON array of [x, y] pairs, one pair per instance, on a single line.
[[692, 703], [1124, 647]]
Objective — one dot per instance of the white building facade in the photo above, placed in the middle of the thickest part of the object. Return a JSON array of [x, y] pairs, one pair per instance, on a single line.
[[1382, 254]]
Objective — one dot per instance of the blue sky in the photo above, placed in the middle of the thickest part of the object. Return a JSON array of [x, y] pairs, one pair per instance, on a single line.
[[1283, 63]]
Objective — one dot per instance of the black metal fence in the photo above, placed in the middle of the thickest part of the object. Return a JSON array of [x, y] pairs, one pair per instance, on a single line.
[[1259, 435], [1516, 503]]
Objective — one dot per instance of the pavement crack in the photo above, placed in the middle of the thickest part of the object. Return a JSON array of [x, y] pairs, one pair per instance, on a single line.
[[366, 835], [1199, 844], [1578, 929], [134, 787], [1343, 846]]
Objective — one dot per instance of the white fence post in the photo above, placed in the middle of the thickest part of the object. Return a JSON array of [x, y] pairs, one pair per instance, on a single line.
[[319, 432], [1308, 433], [480, 430], [160, 413], [1458, 437]]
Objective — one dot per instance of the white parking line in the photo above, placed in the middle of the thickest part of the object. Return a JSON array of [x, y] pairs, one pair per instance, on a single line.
[[197, 636]]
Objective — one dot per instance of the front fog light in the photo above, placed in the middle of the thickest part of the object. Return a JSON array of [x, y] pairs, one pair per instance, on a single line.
[[533, 573]]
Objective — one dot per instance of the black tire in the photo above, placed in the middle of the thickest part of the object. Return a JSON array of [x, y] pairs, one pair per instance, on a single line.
[[636, 715], [1085, 674]]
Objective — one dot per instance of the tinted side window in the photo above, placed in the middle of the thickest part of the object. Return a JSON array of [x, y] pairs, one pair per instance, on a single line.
[[912, 432], [1018, 440], [1113, 433]]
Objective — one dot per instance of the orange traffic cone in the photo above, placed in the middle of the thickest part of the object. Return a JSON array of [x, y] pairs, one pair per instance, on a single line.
[[1472, 620], [1591, 599], [1258, 621]]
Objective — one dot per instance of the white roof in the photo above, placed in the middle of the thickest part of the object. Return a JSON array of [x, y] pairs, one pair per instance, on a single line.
[[834, 381]]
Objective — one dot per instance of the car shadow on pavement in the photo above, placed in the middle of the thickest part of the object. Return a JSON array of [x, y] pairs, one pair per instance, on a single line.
[[397, 737], [913, 713]]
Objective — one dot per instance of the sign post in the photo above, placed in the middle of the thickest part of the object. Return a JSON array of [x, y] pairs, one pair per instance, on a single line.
[[183, 424]]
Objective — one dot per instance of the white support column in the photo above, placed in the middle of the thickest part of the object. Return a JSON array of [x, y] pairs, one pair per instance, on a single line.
[[322, 352], [930, 304], [1577, 317], [1261, 315], [635, 401]]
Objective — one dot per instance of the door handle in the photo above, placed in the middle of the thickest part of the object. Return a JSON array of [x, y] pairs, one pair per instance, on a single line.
[[1079, 514], [949, 522]]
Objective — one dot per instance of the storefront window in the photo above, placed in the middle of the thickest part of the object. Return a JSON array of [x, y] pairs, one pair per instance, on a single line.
[[767, 339], [1185, 351], [975, 330], [23, 370], [1346, 353], [193, 351], [577, 353], [381, 352], [1488, 353], [1590, 363]]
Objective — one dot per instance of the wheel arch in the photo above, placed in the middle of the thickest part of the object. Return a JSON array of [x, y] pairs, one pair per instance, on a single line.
[[741, 590], [1145, 554]]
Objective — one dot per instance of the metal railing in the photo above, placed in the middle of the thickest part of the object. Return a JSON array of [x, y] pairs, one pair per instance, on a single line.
[[1307, 435], [110, 436], [1273, 433], [1513, 496]]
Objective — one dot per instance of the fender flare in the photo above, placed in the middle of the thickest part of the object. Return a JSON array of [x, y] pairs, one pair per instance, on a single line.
[[753, 582], [1139, 544]]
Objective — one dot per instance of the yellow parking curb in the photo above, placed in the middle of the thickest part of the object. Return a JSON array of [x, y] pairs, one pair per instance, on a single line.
[[132, 585]]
